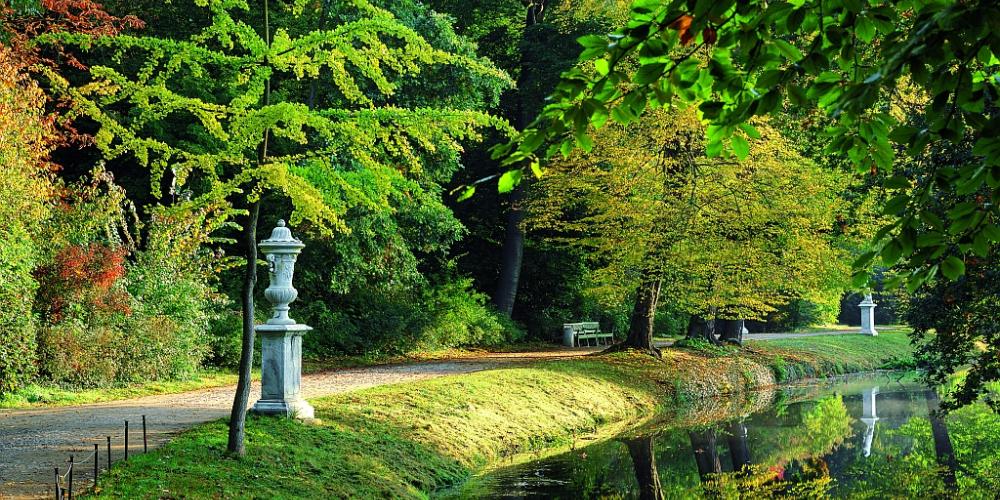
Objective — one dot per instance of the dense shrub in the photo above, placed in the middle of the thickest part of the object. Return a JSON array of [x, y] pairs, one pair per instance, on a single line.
[[112, 314], [395, 322], [25, 190]]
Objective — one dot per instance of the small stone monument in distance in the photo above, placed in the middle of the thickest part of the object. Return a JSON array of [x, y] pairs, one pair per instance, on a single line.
[[281, 336], [868, 316]]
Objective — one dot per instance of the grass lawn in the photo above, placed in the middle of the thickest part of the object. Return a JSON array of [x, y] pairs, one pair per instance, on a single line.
[[409, 440]]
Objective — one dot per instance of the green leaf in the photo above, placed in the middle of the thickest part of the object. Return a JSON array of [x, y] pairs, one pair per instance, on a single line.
[[536, 169], [952, 267], [891, 253], [602, 66], [509, 180], [750, 131], [864, 29], [584, 141], [740, 147], [467, 193], [593, 41], [788, 50], [649, 73]]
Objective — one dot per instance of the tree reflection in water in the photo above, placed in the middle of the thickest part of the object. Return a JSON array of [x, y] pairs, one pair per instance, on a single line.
[[835, 445], [644, 461]]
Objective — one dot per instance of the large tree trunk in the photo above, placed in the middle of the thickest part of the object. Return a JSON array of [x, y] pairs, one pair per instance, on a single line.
[[512, 253], [237, 419], [730, 330], [943, 449], [640, 330], [701, 328], [511, 256], [644, 462], [706, 456]]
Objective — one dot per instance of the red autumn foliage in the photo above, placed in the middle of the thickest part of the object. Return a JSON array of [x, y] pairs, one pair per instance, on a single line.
[[57, 16], [709, 35], [683, 27], [86, 275], [61, 16]]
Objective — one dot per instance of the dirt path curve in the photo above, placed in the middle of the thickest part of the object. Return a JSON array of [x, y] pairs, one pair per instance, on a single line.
[[33, 442]]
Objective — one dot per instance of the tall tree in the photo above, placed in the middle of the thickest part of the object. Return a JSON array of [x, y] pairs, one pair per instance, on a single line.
[[731, 239], [203, 110]]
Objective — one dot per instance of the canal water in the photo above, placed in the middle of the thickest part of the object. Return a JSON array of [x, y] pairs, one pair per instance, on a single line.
[[862, 438]]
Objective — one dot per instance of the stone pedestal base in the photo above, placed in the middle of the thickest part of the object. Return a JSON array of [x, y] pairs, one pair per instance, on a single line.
[[281, 372], [298, 408]]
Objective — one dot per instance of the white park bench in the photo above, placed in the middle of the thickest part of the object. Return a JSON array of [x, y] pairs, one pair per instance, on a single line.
[[585, 333]]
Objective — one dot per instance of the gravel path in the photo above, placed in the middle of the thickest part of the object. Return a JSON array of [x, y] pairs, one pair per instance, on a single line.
[[33, 442]]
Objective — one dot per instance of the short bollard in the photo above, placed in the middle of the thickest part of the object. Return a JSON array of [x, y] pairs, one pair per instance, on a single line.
[[145, 446], [126, 440]]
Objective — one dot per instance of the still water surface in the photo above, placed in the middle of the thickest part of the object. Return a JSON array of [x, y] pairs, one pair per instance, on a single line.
[[868, 438]]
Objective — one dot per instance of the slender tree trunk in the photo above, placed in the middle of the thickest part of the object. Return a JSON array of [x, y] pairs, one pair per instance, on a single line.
[[644, 463], [512, 253], [706, 456], [730, 330], [943, 449], [739, 450], [238, 415], [237, 419]]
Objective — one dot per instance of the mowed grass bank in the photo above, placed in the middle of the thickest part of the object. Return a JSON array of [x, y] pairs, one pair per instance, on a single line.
[[409, 440]]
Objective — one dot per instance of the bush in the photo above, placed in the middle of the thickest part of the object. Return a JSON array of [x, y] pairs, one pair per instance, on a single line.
[[395, 322], [110, 318], [25, 190], [459, 316]]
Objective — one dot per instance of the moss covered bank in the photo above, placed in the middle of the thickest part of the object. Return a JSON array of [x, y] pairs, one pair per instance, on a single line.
[[410, 440]]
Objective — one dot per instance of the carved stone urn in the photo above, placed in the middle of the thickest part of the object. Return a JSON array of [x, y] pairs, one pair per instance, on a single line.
[[281, 336]]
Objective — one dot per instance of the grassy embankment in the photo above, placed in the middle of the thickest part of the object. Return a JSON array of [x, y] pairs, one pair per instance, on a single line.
[[410, 439]]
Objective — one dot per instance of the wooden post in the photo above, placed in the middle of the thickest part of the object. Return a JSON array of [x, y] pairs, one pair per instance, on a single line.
[[145, 446], [126, 440], [97, 460], [58, 489], [109, 452], [71, 477]]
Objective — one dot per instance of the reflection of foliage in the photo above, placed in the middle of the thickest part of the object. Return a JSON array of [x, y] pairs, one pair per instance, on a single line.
[[912, 470], [812, 481], [823, 427]]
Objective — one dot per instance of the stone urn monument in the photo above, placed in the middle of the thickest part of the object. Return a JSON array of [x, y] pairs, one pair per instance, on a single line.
[[281, 336], [868, 316]]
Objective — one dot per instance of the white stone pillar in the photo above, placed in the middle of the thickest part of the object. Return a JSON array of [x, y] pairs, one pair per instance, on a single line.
[[281, 336], [867, 307], [869, 416]]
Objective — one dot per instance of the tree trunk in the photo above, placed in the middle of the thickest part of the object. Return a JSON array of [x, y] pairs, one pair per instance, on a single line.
[[701, 328], [739, 450], [640, 330], [511, 256], [644, 463], [512, 253], [730, 330], [237, 419], [943, 450], [705, 454]]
